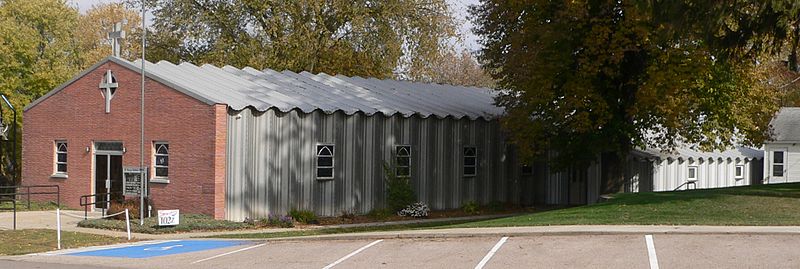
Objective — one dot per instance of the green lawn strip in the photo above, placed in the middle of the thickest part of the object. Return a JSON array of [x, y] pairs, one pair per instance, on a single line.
[[18, 242], [7, 206], [325, 231], [188, 223], [752, 205]]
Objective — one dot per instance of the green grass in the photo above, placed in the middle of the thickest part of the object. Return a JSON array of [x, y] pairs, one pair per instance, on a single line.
[[324, 231], [20, 242], [23, 206], [777, 204], [188, 223], [752, 205]]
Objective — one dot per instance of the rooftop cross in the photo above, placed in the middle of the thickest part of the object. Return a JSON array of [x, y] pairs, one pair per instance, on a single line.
[[115, 37]]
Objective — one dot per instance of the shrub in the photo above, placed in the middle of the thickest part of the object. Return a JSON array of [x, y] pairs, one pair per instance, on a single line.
[[417, 210], [116, 206], [470, 207], [285, 221], [399, 193], [304, 216], [496, 206], [348, 214], [380, 213]]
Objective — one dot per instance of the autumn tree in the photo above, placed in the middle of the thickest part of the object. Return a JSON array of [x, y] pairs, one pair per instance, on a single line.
[[350, 37], [601, 78], [93, 28], [37, 53], [453, 68]]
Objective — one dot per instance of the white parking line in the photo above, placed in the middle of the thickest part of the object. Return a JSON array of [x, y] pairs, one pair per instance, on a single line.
[[351, 254], [651, 251], [491, 252], [229, 253]]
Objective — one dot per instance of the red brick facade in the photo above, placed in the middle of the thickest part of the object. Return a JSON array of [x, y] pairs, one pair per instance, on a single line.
[[196, 133]]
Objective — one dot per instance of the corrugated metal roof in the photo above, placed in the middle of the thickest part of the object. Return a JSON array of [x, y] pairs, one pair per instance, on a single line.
[[285, 91], [786, 124], [742, 153], [265, 89]]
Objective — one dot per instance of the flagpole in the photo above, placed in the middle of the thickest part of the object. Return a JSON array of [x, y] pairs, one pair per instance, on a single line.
[[142, 174]]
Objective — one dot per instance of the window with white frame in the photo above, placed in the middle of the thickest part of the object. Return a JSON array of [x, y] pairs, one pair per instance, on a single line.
[[739, 172], [692, 175], [470, 161], [325, 155], [161, 160], [61, 158], [402, 161], [777, 164]]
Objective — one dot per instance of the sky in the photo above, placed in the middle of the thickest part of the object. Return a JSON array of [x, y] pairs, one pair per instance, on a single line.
[[459, 8]]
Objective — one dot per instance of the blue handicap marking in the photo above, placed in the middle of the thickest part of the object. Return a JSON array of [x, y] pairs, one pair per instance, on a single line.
[[160, 249]]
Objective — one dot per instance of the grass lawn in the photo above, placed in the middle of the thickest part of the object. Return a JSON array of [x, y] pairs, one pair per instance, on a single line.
[[188, 223], [777, 204], [7, 206], [40, 240]]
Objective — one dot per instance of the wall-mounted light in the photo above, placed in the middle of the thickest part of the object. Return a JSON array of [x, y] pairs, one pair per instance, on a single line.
[[124, 149], [87, 149]]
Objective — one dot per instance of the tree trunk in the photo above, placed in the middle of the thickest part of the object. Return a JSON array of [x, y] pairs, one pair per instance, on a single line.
[[793, 61], [613, 166]]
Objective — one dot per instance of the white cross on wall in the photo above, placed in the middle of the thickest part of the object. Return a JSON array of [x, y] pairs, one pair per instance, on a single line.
[[115, 37], [108, 87]]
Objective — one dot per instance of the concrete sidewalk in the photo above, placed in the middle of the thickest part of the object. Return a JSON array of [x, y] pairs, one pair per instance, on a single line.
[[560, 230]]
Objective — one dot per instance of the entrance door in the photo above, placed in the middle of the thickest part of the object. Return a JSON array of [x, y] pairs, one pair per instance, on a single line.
[[108, 178]]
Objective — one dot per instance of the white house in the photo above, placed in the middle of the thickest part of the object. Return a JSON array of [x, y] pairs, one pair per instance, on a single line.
[[782, 152], [686, 168]]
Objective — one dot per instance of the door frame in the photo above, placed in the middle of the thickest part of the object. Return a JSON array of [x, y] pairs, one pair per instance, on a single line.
[[107, 153]]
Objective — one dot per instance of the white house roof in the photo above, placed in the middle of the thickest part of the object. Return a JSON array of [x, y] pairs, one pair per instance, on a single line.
[[786, 124], [285, 91], [740, 153]]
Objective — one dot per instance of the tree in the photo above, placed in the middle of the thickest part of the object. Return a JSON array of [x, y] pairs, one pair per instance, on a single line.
[[600, 78], [94, 26], [361, 37], [455, 69], [37, 53]]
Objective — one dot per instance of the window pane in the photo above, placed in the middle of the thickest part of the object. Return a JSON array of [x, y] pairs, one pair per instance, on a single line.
[[62, 168], [62, 157], [403, 151], [527, 170], [739, 171], [469, 151], [469, 171], [692, 172], [162, 149], [112, 146], [62, 147], [403, 161], [777, 170], [469, 161], [162, 160], [324, 161], [777, 157], [403, 171], [325, 172], [162, 172], [324, 150]]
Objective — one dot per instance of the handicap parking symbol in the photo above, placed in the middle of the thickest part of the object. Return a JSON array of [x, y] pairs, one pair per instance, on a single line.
[[160, 248]]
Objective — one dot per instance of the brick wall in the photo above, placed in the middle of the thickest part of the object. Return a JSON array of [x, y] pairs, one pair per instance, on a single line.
[[196, 133]]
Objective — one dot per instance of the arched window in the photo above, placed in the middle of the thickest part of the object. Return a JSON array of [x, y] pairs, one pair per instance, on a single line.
[[161, 162], [61, 157], [470, 161], [325, 154], [402, 163]]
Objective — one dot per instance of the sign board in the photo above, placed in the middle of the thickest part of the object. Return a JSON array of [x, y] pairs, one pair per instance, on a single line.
[[168, 217], [132, 180]]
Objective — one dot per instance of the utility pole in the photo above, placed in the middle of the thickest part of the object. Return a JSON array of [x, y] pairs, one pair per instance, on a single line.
[[141, 142]]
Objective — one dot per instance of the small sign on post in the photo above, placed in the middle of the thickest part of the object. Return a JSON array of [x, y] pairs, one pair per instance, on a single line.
[[168, 217], [132, 180]]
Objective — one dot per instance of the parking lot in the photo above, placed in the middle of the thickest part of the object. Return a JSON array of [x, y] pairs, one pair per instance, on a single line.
[[546, 251]]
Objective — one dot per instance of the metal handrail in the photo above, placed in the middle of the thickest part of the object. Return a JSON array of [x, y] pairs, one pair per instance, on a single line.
[[28, 192], [85, 202], [13, 207]]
